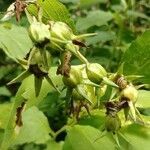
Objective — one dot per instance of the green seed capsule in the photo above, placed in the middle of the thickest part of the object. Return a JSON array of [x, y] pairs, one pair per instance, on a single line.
[[75, 78], [60, 31], [39, 32], [95, 72], [130, 93], [112, 123]]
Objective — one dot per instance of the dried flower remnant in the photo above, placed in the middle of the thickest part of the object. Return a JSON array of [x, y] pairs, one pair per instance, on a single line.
[[18, 122], [19, 8], [65, 66]]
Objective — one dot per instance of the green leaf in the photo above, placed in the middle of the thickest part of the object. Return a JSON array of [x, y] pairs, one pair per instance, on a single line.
[[96, 120], [94, 18], [138, 137], [4, 91], [1, 135], [53, 145], [4, 70], [8, 136], [4, 114], [143, 99], [52, 104], [87, 138], [88, 3], [52, 10], [69, 1], [35, 127], [143, 102], [29, 92], [102, 36], [85, 93], [26, 92], [137, 14], [14, 41], [137, 58]]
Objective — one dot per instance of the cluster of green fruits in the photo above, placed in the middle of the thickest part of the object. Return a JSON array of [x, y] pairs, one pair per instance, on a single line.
[[87, 83]]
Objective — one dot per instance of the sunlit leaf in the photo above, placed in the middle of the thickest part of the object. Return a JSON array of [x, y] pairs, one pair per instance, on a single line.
[[16, 47], [86, 137], [137, 58], [52, 10], [33, 119]]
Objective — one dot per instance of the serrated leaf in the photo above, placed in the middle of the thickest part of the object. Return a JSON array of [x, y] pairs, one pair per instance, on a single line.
[[53, 10], [137, 58], [14, 41], [35, 127], [94, 18]]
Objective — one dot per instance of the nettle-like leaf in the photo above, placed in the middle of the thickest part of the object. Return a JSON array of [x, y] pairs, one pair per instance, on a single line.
[[87, 137], [35, 127], [14, 41], [52, 10], [137, 57], [94, 18]]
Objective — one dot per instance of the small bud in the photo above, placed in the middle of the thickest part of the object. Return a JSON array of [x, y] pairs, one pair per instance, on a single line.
[[130, 93], [95, 72], [39, 32], [112, 123], [75, 78]]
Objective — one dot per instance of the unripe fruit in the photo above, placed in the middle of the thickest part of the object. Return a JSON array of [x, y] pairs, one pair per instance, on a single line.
[[39, 32], [60, 31], [112, 123], [95, 72], [130, 93], [75, 78]]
